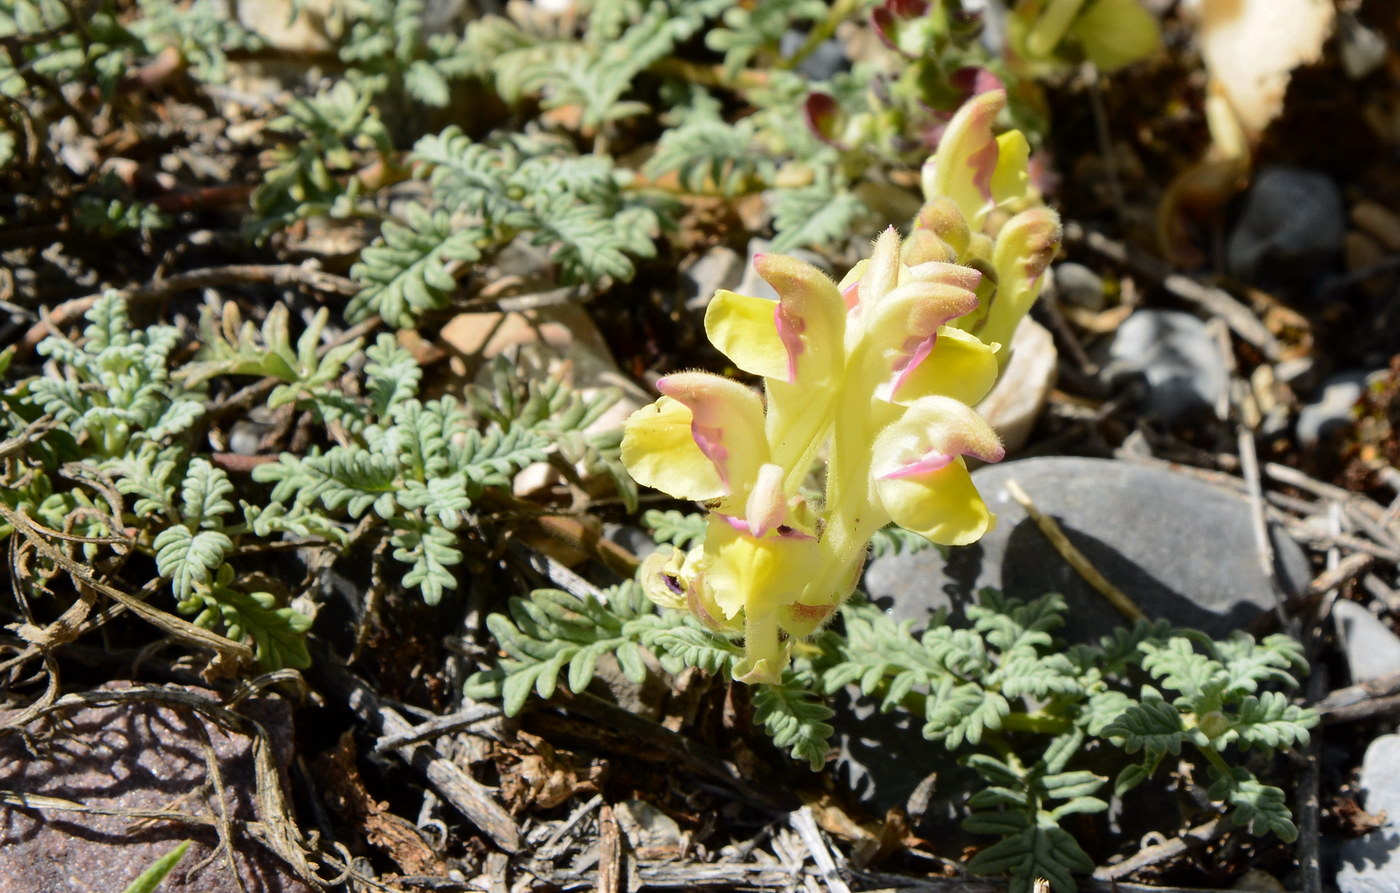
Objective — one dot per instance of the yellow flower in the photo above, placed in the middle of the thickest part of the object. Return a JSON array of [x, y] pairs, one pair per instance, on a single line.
[[877, 373]]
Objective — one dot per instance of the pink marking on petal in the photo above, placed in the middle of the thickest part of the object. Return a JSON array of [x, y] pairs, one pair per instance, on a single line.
[[851, 296], [983, 163], [782, 531], [710, 440], [790, 329], [738, 524], [911, 361], [931, 461]]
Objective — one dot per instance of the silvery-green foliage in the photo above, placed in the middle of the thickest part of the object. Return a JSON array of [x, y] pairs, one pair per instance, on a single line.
[[202, 32], [391, 43], [125, 421], [753, 28], [416, 465], [115, 386], [566, 417], [554, 636], [408, 269], [325, 133], [304, 374], [533, 57], [1008, 673]]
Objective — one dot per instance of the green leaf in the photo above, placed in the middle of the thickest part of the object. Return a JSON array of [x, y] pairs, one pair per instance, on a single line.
[[895, 540], [712, 156], [958, 713], [406, 270], [203, 493], [814, 216], [426, 84], [1269, 722], [1153, 726], [1263, 808], [680, 529], [1201, 680], [431, 552], [151, 878], [1131, 776], [188, 558], [1037, 851], [278, 632], [1070, 785], [795, 717]]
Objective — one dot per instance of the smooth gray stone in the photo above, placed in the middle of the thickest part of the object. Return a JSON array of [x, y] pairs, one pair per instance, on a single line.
[[1372, 650], [1371, 864], [720, 267], [1181, 549], [1078, 285], [1291, 228], [1176, 358]]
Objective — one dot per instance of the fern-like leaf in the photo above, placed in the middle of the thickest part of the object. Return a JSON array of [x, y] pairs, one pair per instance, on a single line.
[[795, 718], [407, 270]]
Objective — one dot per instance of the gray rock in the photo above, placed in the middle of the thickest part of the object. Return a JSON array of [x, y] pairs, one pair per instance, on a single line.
[[1291, 229], [1371, 864], [1180, 548], [136, 755], [1330, 412], [647, 826], [755, 285], [1371, 648], [827, 59], [1175, 357], [1078, 285], [720, 267], [1015, 402]]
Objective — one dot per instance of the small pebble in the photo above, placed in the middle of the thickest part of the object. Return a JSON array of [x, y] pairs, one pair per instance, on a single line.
[[718, 268], [1330, 412], [1372, 649], [1371, 864], [1291, 228], [1181, 548], [1080, 286], [1177, 359], [826, 60], [1363, 50]]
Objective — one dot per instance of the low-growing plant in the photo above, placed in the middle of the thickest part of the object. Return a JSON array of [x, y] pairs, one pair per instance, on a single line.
[[872, 380], [114, 460], [1033, 717]]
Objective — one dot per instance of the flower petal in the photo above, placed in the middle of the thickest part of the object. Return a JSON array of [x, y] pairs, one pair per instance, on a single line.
[[920, 477], [960, 366], [901, 332], [962, 167], [1011, 181], [1024, 248], [726, 425], [660, 452], [744, 329], [942, 505], [755, 574], [810, 317]]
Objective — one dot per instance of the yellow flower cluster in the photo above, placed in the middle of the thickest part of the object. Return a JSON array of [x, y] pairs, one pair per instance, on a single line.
[[878, 370]]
